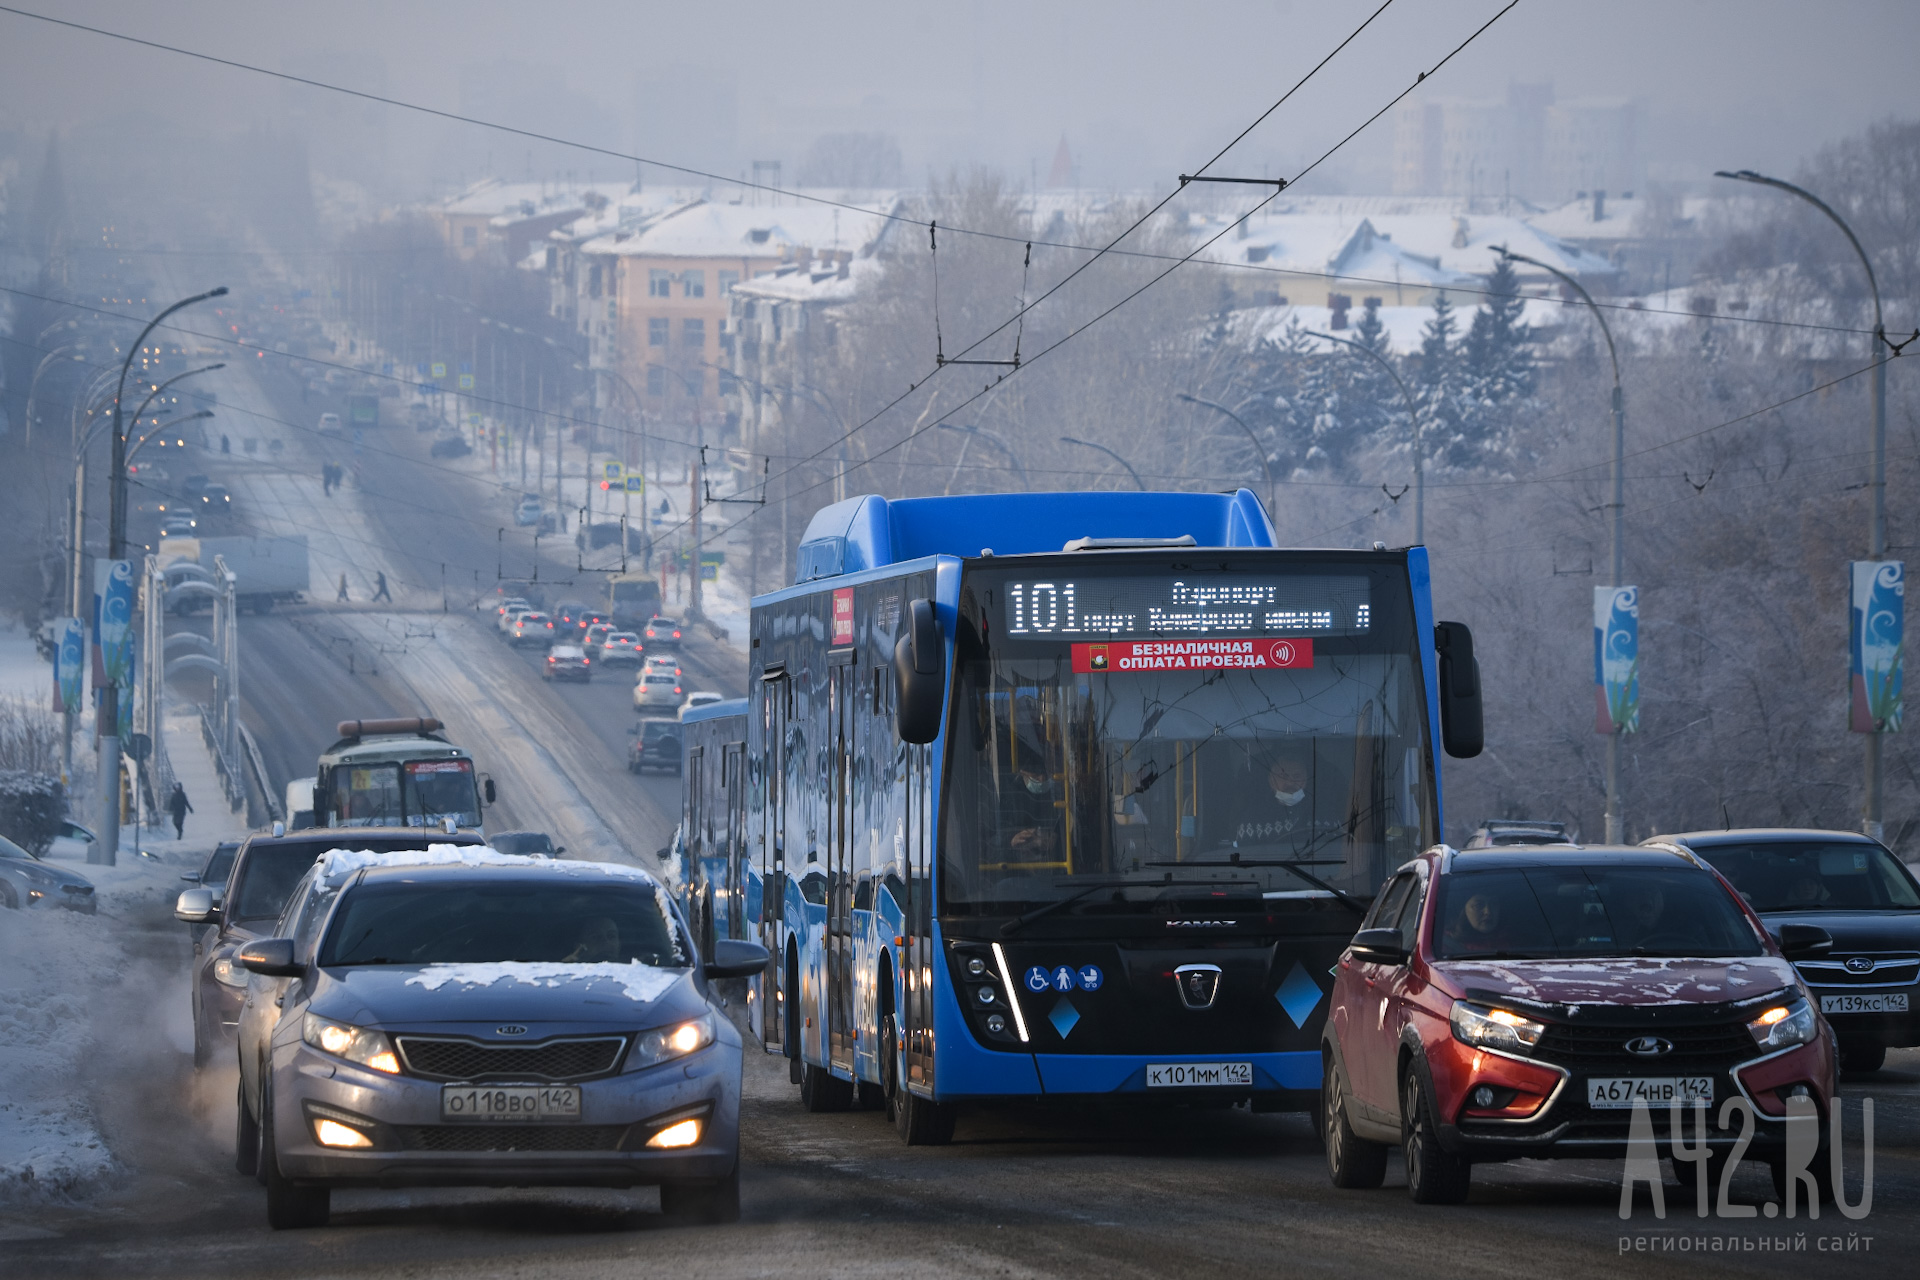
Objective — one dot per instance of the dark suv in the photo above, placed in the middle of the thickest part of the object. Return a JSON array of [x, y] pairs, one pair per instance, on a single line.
[[264, 873], [1851, 886], [655, 745], [1514, 1003]]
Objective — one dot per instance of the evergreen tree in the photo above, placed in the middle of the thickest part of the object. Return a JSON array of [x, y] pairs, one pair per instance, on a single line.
[[1498, 363], [1446, 409]]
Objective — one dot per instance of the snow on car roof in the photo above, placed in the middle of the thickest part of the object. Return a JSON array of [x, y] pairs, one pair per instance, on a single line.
[[640, 982], [337, 866]]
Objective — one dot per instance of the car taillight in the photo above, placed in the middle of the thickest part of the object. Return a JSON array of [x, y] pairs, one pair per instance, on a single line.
[[551, 658], [676, 635], [585, 661]]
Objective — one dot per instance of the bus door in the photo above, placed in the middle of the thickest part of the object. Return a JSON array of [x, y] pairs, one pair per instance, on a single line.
[[778, 999], [916, 1029], [733, 777], [843, 695]]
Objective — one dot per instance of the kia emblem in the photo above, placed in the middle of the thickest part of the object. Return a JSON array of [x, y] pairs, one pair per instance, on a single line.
[[510, 1031], [1649, 1046]]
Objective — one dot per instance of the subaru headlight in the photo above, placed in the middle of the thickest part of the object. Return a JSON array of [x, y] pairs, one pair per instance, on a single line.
[[1784, 1025], [663, 1044], [1486, 1028], [356, 1044], [229, 974]]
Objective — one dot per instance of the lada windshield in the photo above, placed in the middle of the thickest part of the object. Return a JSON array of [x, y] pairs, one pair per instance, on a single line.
[[1253, 718], [1573, 911], [431, 921]]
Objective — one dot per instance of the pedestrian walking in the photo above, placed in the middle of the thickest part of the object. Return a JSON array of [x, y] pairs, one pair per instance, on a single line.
[[326, 478], [178, 806], [343, 589], [380, 585]]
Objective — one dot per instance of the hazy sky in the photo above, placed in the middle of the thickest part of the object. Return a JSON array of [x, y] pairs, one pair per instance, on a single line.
[[1140, 91]]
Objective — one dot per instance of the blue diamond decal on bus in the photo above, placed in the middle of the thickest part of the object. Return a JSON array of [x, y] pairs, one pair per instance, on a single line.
[[1298, 994], [1064, 1017]]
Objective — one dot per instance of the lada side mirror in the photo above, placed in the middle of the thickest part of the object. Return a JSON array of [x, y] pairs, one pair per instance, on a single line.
[[1804, 941], [1462, 728], [1379, 946], [737, 958], [272, 957], [920, 675], [194, 906]]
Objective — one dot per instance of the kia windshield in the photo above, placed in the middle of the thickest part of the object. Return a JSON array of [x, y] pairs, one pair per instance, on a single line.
[[431, 919], [1245, 720], [1815, 875]]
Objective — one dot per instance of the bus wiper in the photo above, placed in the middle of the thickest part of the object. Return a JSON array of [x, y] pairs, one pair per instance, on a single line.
[[1048, 908], [1348, 899]]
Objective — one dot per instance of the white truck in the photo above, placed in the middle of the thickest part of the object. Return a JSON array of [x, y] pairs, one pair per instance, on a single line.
[[266, 571]]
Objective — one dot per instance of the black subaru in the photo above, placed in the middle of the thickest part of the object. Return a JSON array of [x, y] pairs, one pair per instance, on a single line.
[[1853, 887]]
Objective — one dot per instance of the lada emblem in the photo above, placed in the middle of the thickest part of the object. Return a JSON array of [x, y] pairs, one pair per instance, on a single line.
[[1860, 964], [1199, 984], [1649, 1046], [510, 1031]]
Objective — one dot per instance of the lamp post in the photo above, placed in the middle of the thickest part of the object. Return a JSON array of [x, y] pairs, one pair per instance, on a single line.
[[155, 393], [108, 722], [1259, 450], [1413, 420], [1870, 814], [1088, 444], [976, 429], [1616, 510], [694, 391]]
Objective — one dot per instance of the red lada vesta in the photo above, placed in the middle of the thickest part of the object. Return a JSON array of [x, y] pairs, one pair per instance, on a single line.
[[1517, 1003]]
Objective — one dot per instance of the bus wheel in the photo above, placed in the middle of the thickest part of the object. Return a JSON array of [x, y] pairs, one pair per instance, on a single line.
[[922, 1122], [820, 1091]]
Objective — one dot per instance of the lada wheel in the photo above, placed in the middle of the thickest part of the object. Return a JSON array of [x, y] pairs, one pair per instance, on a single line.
[[703, 1201], [1434, 1176], [1352, 1161]]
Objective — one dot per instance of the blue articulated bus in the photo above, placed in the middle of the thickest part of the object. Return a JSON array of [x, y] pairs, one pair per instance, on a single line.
[[1069, 796]]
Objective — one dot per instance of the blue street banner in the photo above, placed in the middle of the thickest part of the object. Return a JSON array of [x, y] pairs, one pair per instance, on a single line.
[[125, 704], [113, 624], [1616, 659], [69, 664], [1876, 627]]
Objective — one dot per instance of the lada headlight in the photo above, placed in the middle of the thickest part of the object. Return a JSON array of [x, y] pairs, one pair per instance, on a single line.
[[1488, 1028], [1784, 1025], [356, 1044]]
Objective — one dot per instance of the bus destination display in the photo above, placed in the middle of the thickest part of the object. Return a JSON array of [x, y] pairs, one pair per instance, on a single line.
[[1237, 607]]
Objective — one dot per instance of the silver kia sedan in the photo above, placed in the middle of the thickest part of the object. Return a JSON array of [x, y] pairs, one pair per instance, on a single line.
[[490, 1025]]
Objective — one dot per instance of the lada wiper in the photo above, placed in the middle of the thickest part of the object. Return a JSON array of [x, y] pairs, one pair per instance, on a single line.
[[1237, 861], [1048, 908]]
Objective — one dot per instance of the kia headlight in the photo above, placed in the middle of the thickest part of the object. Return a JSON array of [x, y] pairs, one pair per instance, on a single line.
[[228, 973], [1784, 1025], [663, 1044], [1487, 1028], [369, 1049]]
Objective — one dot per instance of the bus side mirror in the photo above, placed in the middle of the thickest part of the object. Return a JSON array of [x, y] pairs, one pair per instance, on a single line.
[[1462, 728], [490, 791], [919, 675]]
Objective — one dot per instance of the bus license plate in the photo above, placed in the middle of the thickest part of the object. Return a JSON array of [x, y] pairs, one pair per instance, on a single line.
[[1883, 1002], [1655, 1091], [1188, 1075], [509, 1102]]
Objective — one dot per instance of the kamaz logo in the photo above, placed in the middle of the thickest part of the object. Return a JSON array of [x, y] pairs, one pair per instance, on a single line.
[[1201, 924]]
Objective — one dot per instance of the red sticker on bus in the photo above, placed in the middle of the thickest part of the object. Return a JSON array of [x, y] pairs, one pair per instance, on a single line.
[[1192, 655], [843, 615]]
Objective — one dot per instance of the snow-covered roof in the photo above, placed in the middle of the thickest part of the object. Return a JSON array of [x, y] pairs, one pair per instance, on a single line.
[[629, 213], [493, 198], [825, 282], [710, 230], [1403, 325], [1323, 245]]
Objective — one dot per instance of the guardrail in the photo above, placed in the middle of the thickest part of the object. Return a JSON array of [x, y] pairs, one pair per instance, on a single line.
[[261, 786], [231, 780]]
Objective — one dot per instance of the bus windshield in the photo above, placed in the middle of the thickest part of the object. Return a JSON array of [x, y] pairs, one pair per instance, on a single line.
[[1252, 720], [414, 793]]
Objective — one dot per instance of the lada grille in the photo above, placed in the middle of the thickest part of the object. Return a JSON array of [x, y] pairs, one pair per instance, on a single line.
[[1696, 1050], [445, 1058], [511, 1137], [1890, 969]]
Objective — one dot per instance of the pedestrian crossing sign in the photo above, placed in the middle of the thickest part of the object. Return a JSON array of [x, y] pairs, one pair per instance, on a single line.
[[636, 484], [614, 471]]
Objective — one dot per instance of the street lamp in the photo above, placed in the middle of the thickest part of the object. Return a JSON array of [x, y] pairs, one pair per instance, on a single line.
[[1259, 450], [1088, 444], [1615, 826], [161, 428], [694, 390], [978, 430], [1413, 419], [141, 412], [1870, 816], [108, 842]]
